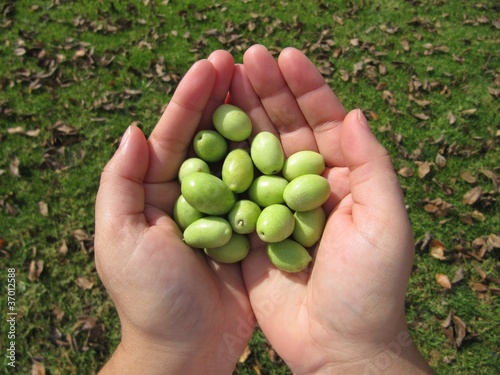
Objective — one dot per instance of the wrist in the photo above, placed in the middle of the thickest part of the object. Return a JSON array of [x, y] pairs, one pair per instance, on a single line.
[[399, 356], [134, 356]]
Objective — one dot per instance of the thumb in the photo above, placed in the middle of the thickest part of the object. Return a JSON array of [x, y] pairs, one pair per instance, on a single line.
[[378, 203], [121, 192]]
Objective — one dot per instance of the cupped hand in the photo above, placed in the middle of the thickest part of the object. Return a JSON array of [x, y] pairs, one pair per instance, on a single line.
[[179, 311], [346, 311]]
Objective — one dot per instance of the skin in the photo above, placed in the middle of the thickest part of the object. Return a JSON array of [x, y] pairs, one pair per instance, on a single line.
[[182, 313]]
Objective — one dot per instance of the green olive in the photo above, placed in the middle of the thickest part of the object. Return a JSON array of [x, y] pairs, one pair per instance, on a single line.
[[207, 193], [267, 153], [309, 226], [233, 251], [306, 192], [303, 162], [237, 170], [210, 146], [192, 165], [232, 122], [275, 223], [288, 255], [267, 190], [185, 214], [243, 216], [210, 231]]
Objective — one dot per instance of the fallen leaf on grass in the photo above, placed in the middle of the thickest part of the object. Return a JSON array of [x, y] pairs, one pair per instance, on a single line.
[[421, 116], [473, 195], [405, 172], [58, 313], [443, 280], [437, 249], [63, 249], [479, 287], [245, 354], [14, 166], [85, 322], [37, 368], [451, 118], [480, 272], [437, 207], [455, 329], [84, 283], [468, 177], [35, 270], [440, 160], [423, 168], [459, 276], [21, 130], [43, 208]]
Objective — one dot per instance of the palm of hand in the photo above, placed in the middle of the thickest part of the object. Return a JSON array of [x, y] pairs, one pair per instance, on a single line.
[[361, 265], [165, 292]]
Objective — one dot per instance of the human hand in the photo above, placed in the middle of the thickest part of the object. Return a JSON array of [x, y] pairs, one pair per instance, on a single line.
[[179, 311], [346, 312]]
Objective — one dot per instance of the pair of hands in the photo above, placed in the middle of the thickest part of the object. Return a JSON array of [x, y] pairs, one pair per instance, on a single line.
[[184, 313]]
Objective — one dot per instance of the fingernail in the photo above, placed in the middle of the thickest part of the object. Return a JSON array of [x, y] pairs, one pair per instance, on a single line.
[[362, 119], [125, 137]]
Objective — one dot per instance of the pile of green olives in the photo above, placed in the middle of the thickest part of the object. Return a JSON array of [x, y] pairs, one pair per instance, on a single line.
[[229, 191]]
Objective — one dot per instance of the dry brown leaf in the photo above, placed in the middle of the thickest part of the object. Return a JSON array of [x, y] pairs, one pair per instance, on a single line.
[[479, 287], [460, 330], [16, 130], [43, 208], [437, 250], [480, 272], [63, 249], [86, 322], [473, 195], [454, 329], [35, 270], [421, 116], [37, 368], [494, 92], [14, 166], [245, 354], [405, 44], [469, 112], [80, 235], [405, 172], [440, 160], [443, 280], [338, 19], [84, 283], [467, 177], [344, 75], [493, 241], [423, 169], [451, 118], [459, 275], [58, 313]]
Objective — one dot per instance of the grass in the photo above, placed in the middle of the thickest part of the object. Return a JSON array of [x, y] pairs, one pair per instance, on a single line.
[[101, 49]]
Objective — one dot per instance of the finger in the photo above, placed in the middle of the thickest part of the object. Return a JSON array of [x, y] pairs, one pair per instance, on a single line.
[[378, 201], [280, 104], [120, 198], [319, 105], [170, 138], [244, 96], [223, 63]]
